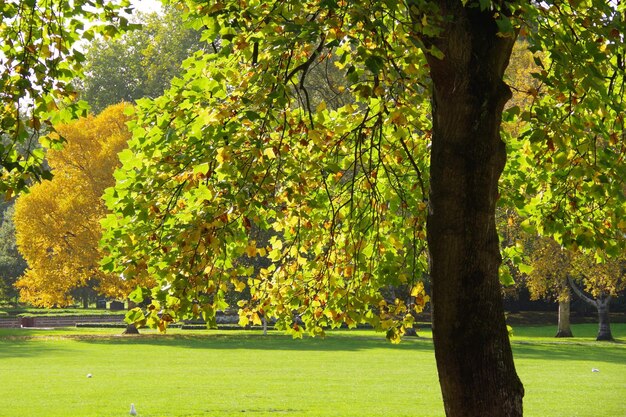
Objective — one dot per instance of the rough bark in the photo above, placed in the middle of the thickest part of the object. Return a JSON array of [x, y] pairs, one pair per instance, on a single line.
[[474, 358], [131, 329], [604, 325], [564, 329], [602, 306]]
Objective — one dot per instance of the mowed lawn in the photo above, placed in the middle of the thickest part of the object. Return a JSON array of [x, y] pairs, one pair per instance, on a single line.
[[201, 373]]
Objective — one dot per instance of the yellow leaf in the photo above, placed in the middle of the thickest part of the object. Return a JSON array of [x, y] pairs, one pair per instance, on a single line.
[[418, 289], [269, 152], [251, 250], [239, 285], [223, 155], [243, 321]]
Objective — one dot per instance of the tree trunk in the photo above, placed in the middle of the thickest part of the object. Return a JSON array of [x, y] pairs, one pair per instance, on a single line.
[[131, 329], [474, 358], [564, 329], [602, 305], [604, 325]]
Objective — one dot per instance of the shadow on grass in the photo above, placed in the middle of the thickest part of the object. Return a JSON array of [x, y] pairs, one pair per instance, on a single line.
[[537, 342], [22, 344], [276, 342], [612, 352], [26, 348]]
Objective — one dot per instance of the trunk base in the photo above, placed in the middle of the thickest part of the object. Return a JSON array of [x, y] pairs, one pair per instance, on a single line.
[[411, 332], [564, 333], [131, 329], [605, 337]]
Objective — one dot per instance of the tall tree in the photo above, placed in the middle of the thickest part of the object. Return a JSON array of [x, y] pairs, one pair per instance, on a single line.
[[38, 59], [12, 265], [57, 222], [140, 63], [551, 269], [603, 280], [346, 191]]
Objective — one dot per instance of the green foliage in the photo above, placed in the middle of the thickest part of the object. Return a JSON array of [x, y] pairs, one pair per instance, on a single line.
[[575, 127], [234, 147], [239, 144], [38, 59], [12, 265], [139, 63]]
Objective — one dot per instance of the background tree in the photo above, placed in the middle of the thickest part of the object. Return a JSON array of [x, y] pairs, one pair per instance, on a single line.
[[140, 63], [38, 60], [237, 140], [57, 223], [551, 269], [603, 280], [12, 265]]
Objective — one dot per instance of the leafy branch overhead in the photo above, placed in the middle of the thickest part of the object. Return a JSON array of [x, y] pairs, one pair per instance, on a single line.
[[258, 151], [39, 58], [240, 143]]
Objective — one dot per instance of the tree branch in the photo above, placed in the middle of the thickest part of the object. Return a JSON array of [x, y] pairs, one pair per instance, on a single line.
[[305, 65], [579, 292]]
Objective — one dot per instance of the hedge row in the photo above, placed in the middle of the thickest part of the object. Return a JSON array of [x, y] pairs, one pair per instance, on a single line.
[[173, 326], [61, 312]]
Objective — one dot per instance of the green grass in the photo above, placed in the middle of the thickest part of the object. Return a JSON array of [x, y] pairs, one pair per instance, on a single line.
[[201, 373]]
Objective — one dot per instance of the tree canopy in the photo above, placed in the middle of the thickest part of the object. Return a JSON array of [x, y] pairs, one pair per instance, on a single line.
[[39, 57], [239, 141], [57, 222], [140, 63], [348, 191]]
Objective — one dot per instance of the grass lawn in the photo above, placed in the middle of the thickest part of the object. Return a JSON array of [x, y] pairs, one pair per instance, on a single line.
[[200, 373]]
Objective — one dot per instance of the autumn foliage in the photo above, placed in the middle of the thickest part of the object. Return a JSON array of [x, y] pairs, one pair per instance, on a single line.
[[57, 223]]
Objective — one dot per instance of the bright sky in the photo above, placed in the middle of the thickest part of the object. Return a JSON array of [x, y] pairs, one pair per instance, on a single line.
[[147, 5]]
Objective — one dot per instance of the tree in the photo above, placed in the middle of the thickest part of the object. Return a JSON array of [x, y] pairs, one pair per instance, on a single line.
[[555, 273], [12, 265], [603, 280], [57, 222], [237, 141], [551, 269], [38, 59], [139, 63]]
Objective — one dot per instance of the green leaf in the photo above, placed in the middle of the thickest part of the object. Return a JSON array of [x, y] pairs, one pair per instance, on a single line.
[[136, 296], [525, 268], [135, 316], [374, 63]]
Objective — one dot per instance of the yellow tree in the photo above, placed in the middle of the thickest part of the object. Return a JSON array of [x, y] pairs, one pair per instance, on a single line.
[[551, 268], [602, 279], [57, 223]]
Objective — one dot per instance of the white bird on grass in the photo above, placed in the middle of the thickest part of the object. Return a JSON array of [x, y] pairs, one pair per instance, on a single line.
[[133, 412]]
